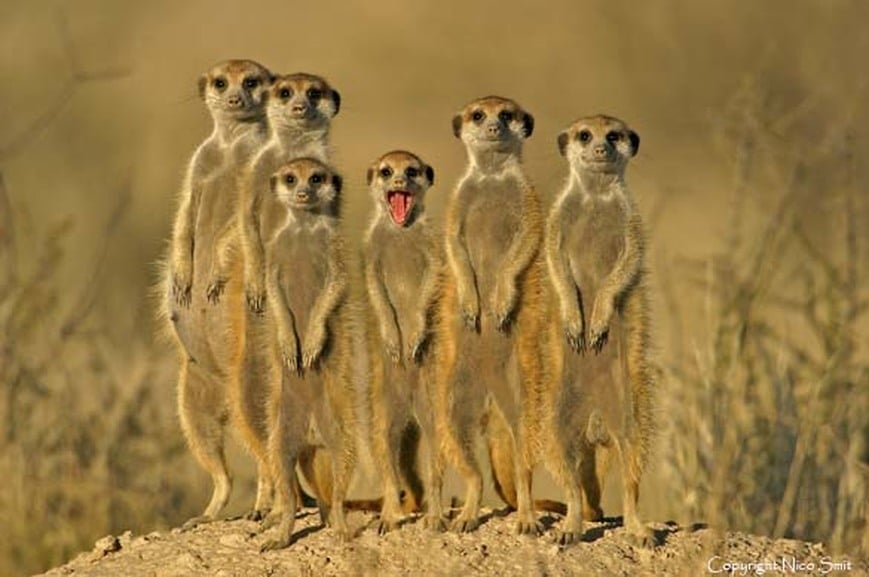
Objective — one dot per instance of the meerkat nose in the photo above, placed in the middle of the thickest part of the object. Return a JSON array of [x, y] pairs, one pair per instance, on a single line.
[[599, 151], [235, 101]]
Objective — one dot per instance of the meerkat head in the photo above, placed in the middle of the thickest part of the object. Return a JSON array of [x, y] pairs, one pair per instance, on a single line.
[[302, 101], [235, 89], [306, 185], [398, 181], [599, 144], [493, 123]]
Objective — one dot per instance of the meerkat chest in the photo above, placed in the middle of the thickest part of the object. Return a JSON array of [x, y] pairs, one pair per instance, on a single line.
[[301, 258], [404, 264], [595, 238], [492, 219]]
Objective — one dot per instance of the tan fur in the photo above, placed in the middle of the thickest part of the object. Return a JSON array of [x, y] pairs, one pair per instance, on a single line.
[[403, 274], [315, 402], [490, 316], [199, 284], [599, 338], [300, 108]]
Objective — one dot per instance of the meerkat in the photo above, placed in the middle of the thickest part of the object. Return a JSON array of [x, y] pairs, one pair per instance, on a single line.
[[234, 92], [314, 404], [490, 366], [300, 108], [603, 381], [403, 274]]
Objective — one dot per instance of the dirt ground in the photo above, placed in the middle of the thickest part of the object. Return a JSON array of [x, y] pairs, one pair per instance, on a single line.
[[231, 549]]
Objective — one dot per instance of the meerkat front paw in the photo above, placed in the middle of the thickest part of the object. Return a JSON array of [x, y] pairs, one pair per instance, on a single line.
[[416, 347], [504, 303], [600, 320], [182, 284], [574, 333], [469, 308], [392, 347], [290, 355], [215, 289], [256, 300], [313, 348]]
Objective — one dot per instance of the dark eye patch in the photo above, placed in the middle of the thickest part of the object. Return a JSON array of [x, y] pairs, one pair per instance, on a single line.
[[478, 116], [314, 93], [316, 178], [506, 116], [285, 92], [251, 82], [584, 136], [411, 172], [385, 172], [613, 136], [290, 179], [219, 83]]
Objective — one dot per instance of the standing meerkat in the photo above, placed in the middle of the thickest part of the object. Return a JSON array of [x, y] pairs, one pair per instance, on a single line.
[[315, 402], [403, 276], [600, 338], [300, 109], [492, 306], [234, 92]]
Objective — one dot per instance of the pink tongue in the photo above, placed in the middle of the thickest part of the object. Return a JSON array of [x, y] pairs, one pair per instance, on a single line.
[[398, 203]]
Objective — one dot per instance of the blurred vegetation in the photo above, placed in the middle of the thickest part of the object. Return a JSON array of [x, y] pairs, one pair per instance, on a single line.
[[752, 117]]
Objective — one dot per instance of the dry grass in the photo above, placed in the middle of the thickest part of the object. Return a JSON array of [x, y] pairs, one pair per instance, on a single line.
[[766, 416]]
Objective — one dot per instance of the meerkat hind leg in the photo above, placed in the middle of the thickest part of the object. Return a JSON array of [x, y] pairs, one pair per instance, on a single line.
[[639, 533], [202, 421]]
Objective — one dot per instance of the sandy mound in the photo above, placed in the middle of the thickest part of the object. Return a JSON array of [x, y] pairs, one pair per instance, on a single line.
[[231, 548]]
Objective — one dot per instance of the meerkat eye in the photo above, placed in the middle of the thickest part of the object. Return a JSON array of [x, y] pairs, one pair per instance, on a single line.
[[219, 83], [385, 172], [290, 179], [315, 93], [584, 136], [251, 83], [505, 116], [316, 179], [613, 136], [478, 116], [285, 93], [411, 172]]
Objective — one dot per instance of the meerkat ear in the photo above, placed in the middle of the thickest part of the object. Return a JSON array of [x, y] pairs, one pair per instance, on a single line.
[[337, 183], [562, 142], [336, 100], [457, 125], [202, 83], [528, 124], [635, 141], [429, 174], [369, 176], [273, 183]]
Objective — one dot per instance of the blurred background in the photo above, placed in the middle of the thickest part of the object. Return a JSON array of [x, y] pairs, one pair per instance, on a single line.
[[753, 118]]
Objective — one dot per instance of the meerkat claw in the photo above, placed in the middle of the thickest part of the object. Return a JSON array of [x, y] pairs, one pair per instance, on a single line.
[[214, 291]]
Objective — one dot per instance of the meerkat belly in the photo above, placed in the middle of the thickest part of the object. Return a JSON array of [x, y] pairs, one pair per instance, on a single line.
[[492, 222], [594, 244], [402, 255]]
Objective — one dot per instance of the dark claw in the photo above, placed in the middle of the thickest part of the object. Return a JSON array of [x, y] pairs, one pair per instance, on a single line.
[[504, 322], [576, 342], [598, 341], [256, 303], [472, 321], [181, 295], [214, 291]]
